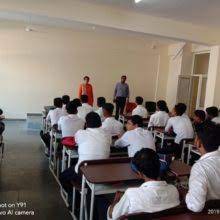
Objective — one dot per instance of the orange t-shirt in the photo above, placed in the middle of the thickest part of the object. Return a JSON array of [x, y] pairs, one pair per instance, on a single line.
[[86, 89]]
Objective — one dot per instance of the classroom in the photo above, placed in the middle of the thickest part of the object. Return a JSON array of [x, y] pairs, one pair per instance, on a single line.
[[110, 109]]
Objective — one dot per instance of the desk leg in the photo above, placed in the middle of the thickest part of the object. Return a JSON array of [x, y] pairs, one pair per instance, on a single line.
[[188, 155], [50, 150], [162, 141], [73, 202], [63, 159], [82, 197], [92, 201], [69, 161]]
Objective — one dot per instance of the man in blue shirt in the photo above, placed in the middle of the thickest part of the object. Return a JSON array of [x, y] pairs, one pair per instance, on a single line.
[[121, 96]]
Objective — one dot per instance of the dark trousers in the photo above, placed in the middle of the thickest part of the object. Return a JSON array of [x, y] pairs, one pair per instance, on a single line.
[[46, 138], [120, 105]]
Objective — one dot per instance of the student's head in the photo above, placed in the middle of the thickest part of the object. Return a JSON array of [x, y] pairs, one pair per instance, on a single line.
[[71, 108], [84, 98], [86, 79], [1, 112], [162, 106], [208, 138], [139, 100], [123, 78], [58, 102], [65, 99], [147, 164], [199, 116], [77, 102], [134, 122], [212, 112], [108, 109], [93, 120], [179, 109], [101, 101]]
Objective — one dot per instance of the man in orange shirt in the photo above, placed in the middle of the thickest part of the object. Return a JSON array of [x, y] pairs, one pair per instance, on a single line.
[[86, 89]]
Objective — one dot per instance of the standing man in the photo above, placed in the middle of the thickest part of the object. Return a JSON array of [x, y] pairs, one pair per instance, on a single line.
[[86, 89], [121, 96]]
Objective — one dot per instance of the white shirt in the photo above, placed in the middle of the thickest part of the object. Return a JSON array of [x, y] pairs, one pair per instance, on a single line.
[[182, 127], [54, 115], [141, 111], [112, 126], [151, 196], [70, 124], [84, 110], [158, 119], [204, 181], [135, 140], [93, 143], [216, 120], [99, 111], [64, 110]]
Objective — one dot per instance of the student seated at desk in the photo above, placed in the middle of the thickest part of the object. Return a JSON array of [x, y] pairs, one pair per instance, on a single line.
[[152, 196], [199, 119], [213, 114], [77, 102], [65, 100], [112, 126], [71, 123], [204, 181], [159, 118], [140, 109], [85, 108], [55, 114], [100, 103], [181, 126], [93, 143], [136, 137]]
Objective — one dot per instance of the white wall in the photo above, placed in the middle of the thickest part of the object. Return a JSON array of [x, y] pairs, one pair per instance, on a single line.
[[35, 67]]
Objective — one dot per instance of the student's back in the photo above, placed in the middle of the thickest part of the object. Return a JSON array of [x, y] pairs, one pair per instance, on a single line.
[[158, 119], [140, 109]]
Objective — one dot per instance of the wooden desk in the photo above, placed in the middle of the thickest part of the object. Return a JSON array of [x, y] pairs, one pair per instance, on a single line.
[[180, 169], [191, 216], [107, 172]]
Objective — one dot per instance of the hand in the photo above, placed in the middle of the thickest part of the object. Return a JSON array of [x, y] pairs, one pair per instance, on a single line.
[[118, 196]]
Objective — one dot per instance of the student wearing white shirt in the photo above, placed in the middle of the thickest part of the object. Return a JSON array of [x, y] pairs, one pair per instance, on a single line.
[[85, 108], [93, 143], [159, 118], [204, 181], [65, 100], [71, 123], [55, 114], [112, 126], [152, 196], [140, 109], [213, 114], [100, 103], [181, 126], [136, 137]]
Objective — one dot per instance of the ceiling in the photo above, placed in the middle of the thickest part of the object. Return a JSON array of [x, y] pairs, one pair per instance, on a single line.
[[201, 12]]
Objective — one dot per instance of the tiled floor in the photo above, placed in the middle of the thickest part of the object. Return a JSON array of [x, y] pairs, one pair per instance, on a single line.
[[25, 176]]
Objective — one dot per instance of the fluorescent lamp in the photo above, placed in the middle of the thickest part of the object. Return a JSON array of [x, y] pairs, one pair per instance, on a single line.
[[137, 1]]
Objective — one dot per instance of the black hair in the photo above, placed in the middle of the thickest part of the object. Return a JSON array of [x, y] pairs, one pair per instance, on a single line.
[[124, 76], [77, 102], [200, 114], [71, 108], [212, 111], [58, 102], [1, 112], [210, 136], [65, 99], [84, 98], [86, 77], [180, 109], [137, 120], [147, 162], [101, 101], [139, 100], [93, 120], [162, 106], [109, 107]]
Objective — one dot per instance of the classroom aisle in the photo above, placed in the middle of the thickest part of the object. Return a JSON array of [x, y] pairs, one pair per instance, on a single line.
[[25, 177]]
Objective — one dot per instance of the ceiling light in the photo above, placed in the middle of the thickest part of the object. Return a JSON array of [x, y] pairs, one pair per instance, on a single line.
[[137, 1]]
